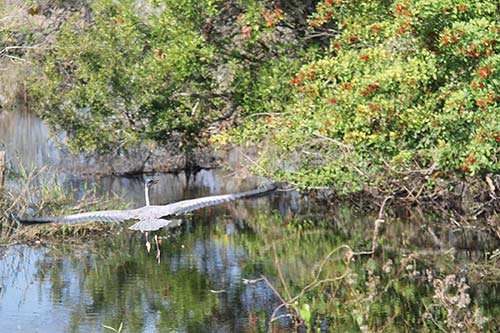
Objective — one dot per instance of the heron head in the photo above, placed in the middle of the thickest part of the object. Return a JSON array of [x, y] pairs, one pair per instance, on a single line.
[[152, 182]]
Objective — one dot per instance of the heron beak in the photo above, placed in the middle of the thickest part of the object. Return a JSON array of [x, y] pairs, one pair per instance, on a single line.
[[152, 182]]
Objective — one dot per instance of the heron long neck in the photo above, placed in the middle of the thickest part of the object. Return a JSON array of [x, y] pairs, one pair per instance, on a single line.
[[146, 194]]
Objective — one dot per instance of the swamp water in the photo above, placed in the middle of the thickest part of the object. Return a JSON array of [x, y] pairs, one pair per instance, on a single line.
[[227, 268]]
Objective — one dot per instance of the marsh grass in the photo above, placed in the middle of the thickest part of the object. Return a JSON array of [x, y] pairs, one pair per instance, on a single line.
[[55, 233], [36, 194]]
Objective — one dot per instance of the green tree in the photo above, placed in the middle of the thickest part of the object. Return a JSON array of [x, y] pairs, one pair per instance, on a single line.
[[161, 71], [110, 81]]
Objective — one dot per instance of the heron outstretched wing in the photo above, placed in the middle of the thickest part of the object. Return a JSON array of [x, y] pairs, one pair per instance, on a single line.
[[99, 216], [186, 206], [149, 216]]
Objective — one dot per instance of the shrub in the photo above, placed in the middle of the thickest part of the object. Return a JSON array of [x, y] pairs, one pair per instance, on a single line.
[[403, 86]]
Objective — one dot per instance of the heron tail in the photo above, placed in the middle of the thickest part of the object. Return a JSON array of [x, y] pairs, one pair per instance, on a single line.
[[34, 220]]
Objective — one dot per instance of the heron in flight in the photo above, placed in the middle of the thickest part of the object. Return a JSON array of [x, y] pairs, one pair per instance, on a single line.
[[147, 188], [149, 217]]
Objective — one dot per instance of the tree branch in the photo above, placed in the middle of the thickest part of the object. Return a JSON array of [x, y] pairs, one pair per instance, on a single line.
[[202, 96]]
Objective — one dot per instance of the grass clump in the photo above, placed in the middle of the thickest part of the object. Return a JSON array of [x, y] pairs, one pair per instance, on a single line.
[[34, 194]]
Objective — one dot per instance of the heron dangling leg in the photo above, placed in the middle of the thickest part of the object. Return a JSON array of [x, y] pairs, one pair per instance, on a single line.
[[157, 242], [148, 243]]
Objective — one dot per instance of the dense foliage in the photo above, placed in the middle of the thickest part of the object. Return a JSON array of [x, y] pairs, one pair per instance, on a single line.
[[109, 80], [345, 94], [405, 85]]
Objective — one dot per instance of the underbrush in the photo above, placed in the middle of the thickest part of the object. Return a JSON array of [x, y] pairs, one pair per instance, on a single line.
[[471, 200]]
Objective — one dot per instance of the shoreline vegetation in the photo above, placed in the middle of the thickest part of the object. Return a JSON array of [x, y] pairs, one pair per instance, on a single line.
[[35, 193]]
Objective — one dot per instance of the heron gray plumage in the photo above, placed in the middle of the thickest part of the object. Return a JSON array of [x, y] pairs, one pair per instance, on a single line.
[[148, 217]]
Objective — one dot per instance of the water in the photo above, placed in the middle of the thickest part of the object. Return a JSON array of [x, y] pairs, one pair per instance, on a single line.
[[227, 268], [26, 139]]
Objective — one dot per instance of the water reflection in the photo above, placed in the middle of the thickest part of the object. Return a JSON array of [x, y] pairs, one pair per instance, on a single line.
[[26, 139], [199, 284]]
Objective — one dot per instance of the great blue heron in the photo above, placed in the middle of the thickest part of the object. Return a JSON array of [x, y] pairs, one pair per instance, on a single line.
[[149, 217], [147, 188]]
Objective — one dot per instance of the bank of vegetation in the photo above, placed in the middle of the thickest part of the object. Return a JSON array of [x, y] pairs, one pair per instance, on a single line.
[[395, 98]]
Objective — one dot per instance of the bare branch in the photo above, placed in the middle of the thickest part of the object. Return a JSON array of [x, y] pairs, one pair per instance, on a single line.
[[278, 267], [231, 108], [18, 47], [265, 114], [338, 143], [199, 95]]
